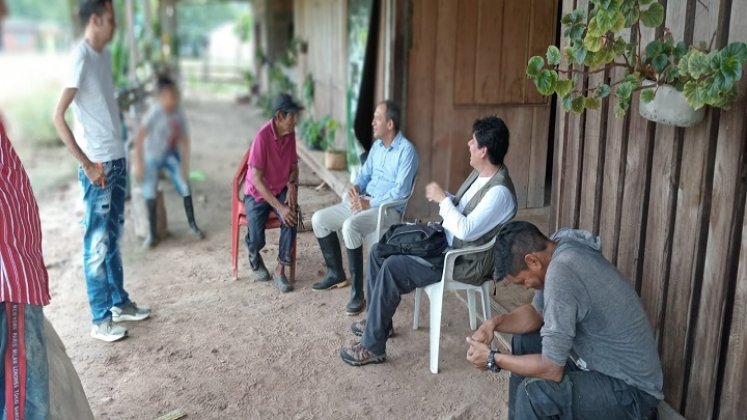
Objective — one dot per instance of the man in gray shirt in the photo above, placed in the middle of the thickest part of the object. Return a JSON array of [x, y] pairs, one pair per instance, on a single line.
[[584, 347]]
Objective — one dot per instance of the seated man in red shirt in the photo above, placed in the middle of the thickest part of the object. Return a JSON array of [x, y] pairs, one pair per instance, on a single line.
[[24, 290], [272, 185]]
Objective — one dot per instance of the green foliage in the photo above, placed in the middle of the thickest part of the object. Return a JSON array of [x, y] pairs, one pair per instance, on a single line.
[[319, 135], [31, 116], [35, 10], [595, 43]]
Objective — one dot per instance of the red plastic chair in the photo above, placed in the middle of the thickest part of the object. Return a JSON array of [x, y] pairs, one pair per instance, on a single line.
[[238, 219]]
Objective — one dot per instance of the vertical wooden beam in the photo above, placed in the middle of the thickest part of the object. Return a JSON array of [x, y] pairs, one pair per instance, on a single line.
[[637, 167], [693, 199], [723, 237], [133, 52], [733, 404], [489, 41]]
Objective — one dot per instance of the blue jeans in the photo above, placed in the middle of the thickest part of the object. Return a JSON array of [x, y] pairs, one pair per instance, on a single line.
[[23, 348], [257, 213], [171, 161], [580, 395], [103, 222], [388, 279]]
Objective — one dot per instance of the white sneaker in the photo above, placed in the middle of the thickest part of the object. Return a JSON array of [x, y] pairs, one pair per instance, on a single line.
[[129, 312], [107, 331]]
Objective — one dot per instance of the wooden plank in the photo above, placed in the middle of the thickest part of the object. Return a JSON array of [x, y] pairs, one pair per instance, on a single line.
[[560, 150], [489, 42], [614, 176], [514, 49], [538, 156], [723, 237], [660, 222], [689, 238], [420, 95], [444, 145], [542, 33], [466, 53], [591, 173], [634, 203], [519, 122], [733, 404]]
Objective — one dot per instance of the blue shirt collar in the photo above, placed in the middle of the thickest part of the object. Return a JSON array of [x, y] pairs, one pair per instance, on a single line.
[[395, 143]]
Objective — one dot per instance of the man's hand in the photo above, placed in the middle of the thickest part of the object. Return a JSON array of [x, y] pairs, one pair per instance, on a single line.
[[353, 193], [477, 354], [95, 173], [359, 205], [485, 333], [434, 192], [288, 215]]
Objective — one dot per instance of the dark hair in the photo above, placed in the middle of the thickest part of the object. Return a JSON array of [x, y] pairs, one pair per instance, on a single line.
[[89, 8], [165, 82], [513, 241], [491, 132], [392, 112]]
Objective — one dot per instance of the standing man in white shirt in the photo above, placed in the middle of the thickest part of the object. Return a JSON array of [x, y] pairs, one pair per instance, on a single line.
[[102, 173]]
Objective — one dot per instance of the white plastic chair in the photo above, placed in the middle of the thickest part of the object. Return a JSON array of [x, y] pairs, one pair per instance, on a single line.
[[383, 209], [435, 294]]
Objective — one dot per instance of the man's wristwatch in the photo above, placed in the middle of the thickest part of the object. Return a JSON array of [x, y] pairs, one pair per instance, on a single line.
[[492, 365]]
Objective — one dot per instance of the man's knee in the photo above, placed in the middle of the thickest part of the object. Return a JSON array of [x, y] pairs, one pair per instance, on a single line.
[[543, 398]]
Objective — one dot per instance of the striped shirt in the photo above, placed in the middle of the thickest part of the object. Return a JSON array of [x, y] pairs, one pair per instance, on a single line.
[[23, 276]]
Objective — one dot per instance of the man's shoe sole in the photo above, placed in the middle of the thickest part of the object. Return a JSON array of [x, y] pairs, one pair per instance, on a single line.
[[125, 318], [108, 338], [339, 285]]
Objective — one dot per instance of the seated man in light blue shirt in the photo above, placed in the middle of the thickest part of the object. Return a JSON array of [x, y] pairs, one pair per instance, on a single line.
[[388, 174]]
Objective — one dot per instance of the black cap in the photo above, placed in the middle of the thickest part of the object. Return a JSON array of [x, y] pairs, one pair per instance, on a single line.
[[285, 103]]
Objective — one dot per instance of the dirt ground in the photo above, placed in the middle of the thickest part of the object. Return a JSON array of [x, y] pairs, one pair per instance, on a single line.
[[216, 348]]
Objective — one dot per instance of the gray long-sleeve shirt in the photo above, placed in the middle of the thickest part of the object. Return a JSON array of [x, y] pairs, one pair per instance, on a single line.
[[593, 315]]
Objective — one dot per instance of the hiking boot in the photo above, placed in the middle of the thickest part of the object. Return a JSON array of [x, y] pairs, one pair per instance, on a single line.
[[357, 355], [332, 254], [107, 331], [261, 273], [282, 283], [129, 312], [359, 326]]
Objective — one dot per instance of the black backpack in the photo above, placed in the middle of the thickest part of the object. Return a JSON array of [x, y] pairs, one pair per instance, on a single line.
[[416, 239]]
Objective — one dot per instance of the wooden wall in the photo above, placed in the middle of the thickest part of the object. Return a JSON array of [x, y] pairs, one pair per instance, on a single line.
[[467, 60], [323, 24], [669, 204]]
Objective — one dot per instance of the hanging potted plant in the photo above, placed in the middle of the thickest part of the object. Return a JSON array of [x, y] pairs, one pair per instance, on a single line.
[[334, 159], [675, 81]]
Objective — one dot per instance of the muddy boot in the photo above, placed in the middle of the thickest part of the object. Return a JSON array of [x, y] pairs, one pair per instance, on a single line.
[[357, 299], [196, 232], [151, 238], [335, 276]]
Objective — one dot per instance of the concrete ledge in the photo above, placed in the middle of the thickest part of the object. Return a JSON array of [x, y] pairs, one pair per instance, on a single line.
[[337, 180]]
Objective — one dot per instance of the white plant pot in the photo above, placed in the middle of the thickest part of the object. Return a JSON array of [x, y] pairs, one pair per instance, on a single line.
[[670, 107]]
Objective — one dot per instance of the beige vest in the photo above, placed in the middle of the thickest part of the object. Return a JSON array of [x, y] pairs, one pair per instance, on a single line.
[[476, 268]]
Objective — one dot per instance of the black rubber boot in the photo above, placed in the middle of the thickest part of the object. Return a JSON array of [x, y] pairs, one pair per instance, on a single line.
[[357, 298], [151, 239], [332, 254], [189, 210]]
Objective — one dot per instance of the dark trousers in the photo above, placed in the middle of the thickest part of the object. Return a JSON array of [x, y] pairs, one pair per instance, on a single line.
[[389, 279], [257, 213], [580, 395]]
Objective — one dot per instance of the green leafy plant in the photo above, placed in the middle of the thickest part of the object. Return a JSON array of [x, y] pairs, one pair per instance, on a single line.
[[319, 134], [597, 42]]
